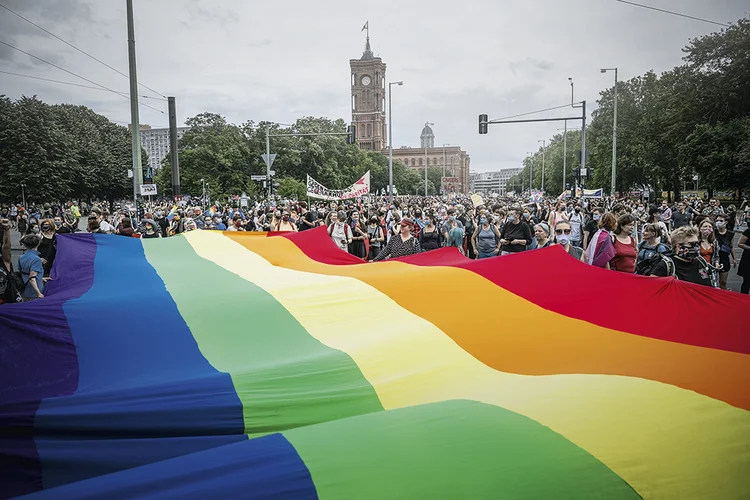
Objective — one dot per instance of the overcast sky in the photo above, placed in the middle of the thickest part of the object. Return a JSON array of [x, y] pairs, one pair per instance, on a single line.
[[279, 61]]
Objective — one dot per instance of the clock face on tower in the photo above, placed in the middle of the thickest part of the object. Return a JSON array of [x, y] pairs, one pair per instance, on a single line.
[[366, 80]]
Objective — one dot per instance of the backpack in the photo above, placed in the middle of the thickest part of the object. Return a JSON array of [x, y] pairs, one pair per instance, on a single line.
[[645, 267], [346, 230]]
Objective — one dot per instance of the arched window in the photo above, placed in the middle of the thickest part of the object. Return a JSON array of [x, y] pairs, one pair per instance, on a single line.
[[412, 162], [420, 162], [434, 161], [369, 130], [427, 160]]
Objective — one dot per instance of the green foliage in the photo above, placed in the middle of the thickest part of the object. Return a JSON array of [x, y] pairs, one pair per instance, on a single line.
[[291, 188], [691, 119], [61, 152]]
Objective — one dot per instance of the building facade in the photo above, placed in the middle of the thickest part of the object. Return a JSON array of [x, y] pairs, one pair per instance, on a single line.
[[155, 141], [493, 182], [368, 100], [368, 86]]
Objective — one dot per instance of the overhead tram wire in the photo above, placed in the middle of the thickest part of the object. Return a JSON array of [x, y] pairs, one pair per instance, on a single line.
[[74, 84], [79, 50], [76, 75], [675, 13], [533, 112]]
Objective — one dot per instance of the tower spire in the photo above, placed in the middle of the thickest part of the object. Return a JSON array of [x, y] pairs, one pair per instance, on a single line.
[[367, 54]]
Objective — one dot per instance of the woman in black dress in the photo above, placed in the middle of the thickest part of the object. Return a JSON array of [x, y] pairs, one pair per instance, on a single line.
[[429, 238], [359, 234], [48, 247], [744, 268]]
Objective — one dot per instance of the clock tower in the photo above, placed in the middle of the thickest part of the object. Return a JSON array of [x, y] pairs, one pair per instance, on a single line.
[[368, 100]]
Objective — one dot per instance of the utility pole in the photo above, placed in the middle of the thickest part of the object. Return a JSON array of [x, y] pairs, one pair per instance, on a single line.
[[565, 157], [268, 158], [23, 195], [614, 133], [135, 126], [544, 146], [173, 147], [426, 161], [390, 141], [531, 170]]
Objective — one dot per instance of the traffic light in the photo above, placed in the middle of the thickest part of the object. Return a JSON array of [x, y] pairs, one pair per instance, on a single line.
[[483, 124], [351, 132]]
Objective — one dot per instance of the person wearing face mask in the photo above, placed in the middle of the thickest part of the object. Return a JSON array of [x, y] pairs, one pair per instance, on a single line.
[[448, 224], [401, 245], [576, 220], [150, 229], [563, 232], [48, 245], [486, 238], [687, 263], [285, 225], [515, 235], [709, 247], [592, 226], [725, 241], [339, 230], [376, 237], [430, 238], [359, 235]]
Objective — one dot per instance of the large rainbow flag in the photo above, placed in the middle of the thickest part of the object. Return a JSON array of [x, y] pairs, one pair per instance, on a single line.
[[236, 365]]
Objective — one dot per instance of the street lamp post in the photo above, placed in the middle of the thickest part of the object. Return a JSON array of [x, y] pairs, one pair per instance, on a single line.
[[544, 146], [23, 194], [614, 132], [531, 170], [203, 183], [426, 161], [390, 142]]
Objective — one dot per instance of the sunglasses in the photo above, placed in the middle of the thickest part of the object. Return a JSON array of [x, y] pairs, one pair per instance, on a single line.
[[690, 244], [561, 231]]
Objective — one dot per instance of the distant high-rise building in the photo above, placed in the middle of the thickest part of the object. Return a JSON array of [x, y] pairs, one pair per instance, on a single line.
[[155, 141], [493, 182]]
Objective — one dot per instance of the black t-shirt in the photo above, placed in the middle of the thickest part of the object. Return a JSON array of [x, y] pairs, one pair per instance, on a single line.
[[309, 217], [591, 227], [680, 220], [725, 242], [692, 272]]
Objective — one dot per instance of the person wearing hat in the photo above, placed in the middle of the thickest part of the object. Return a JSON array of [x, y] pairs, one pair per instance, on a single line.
[[402, 244]]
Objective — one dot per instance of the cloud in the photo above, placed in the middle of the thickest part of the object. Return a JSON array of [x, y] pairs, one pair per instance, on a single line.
[[292, 59]]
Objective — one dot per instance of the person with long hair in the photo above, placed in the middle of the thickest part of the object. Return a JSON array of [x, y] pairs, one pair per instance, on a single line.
[[601, 248], [743, 269], [401, 245], [654, 217], [376, 236], [48, 245], [359, 235], [558, 215], [725, 241], [625, 251], [709, 248], [486, 238], [430, 237]]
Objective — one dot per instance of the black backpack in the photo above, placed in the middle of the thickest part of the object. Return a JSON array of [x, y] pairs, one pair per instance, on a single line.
[[646, 267]]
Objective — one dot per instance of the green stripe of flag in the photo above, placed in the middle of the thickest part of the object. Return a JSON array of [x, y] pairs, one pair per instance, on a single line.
[[284, 377], [452, 449]]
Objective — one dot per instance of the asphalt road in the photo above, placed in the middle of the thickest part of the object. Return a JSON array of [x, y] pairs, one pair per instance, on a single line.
[[733, 283]]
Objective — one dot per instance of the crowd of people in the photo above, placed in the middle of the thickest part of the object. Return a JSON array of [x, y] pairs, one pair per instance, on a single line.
[[691, 240]]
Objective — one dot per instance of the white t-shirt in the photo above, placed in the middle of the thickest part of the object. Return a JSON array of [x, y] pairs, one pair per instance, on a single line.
[[106, 227], [576, 222], [340, 235]]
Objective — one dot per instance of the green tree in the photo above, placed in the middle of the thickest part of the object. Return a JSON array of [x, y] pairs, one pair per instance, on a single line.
[[291, 188]]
